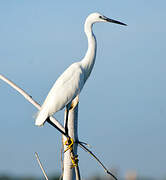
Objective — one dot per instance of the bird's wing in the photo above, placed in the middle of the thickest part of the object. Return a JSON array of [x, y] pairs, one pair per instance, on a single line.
[[73, 73], [66, 88]]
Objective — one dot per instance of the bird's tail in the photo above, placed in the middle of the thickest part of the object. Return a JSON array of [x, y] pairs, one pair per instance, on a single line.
[[41, 117]]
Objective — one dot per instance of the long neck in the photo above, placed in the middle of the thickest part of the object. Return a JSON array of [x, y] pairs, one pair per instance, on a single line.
[[89, 59]]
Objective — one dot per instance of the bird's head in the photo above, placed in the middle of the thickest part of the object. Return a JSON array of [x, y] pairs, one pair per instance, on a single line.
[[97, 17]]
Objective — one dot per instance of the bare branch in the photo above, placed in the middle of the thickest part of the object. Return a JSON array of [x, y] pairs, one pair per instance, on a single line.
[[53, 121], [62, 167], [21, 91], [97, 159], [77, 172], [38, 160], [71, 153]]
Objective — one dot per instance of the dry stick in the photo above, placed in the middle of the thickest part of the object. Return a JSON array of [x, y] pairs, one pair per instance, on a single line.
[[94, 156], [77, 172], [62, 167], [38, 160], [75, 111], [69, 173], [53, 121]]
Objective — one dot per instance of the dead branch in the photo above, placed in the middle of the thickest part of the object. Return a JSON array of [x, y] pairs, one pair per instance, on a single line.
[[53, 121], [40, 164]]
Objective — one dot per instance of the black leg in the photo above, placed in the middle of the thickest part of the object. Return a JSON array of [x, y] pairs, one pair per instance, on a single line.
[[50, 122], [66, 122]]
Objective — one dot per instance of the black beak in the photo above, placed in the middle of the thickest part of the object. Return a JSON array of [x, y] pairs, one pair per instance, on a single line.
[[112, 21]]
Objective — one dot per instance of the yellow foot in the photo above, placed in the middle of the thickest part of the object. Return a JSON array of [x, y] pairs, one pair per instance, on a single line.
[[74, 160], [69, 143]]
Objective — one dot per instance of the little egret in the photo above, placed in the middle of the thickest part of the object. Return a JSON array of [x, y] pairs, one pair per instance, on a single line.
[[69, 85]]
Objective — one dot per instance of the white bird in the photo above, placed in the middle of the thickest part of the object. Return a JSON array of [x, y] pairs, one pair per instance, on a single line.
[[71, 82]]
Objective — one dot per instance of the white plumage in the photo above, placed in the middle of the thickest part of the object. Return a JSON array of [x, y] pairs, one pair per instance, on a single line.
[[71, 82]]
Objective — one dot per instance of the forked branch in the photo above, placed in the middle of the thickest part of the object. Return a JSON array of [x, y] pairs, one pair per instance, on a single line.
[[53, 122]]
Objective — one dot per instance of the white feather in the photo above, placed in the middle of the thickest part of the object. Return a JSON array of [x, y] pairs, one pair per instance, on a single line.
[[71, 82]]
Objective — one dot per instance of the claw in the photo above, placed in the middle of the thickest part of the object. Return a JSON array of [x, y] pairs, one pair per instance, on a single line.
[[69, 142], [74, 160]]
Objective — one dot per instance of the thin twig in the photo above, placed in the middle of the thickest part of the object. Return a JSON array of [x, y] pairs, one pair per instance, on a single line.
[[38, 160], [81, 142], [21, 91], [52, 121], [62, 166], [97, 159], [77, 172]]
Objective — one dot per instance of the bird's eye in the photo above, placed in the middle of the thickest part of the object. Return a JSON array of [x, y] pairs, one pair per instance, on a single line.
[[102, 17]]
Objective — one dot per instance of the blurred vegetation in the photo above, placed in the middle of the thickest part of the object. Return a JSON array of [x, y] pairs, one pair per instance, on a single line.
[[56, 177], [6, 177]]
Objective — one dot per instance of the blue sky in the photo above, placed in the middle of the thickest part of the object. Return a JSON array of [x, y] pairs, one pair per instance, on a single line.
[[122, 110]]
